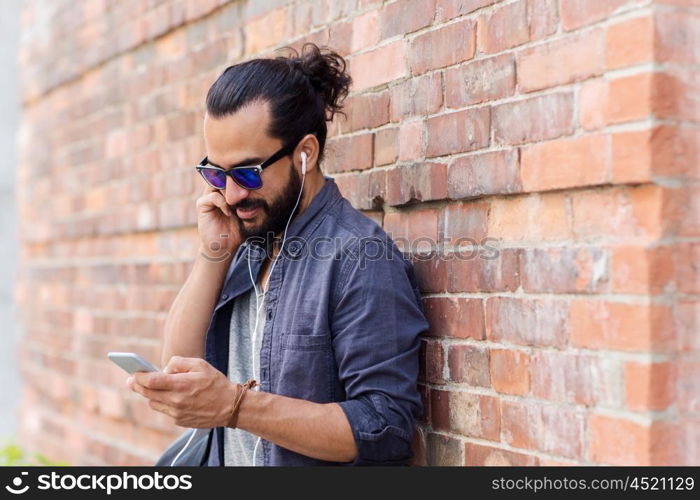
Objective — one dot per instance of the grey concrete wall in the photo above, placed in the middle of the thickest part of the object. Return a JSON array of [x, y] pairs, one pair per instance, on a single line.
[[9, 118]]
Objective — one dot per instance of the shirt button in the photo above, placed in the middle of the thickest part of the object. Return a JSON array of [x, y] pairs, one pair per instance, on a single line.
[[224, 296], [294, 248]]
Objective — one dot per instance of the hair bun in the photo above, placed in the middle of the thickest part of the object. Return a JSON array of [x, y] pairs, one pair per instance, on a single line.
[[327, 74]]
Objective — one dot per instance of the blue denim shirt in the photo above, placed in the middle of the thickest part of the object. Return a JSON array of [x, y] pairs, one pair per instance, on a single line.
[[343, 319]]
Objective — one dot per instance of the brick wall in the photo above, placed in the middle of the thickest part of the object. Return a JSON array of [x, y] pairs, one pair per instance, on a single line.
[[560, 136]]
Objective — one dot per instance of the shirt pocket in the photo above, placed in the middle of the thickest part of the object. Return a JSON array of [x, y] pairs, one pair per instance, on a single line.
[[305, 367]]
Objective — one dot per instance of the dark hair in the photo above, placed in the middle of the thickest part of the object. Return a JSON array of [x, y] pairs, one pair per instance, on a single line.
[[304, 91]]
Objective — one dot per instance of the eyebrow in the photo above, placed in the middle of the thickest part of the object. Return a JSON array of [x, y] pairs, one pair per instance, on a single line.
[[247, 162]]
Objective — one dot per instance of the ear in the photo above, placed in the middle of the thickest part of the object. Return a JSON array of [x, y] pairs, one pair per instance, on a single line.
[[309, 145]]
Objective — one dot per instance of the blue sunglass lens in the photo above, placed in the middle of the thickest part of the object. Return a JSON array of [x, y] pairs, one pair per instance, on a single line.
[[214, 177], [247, 178]]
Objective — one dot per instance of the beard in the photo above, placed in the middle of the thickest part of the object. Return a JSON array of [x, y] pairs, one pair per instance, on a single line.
[[275, 213]]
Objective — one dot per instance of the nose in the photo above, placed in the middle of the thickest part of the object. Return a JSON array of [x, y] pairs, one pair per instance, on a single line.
[[234, 193]]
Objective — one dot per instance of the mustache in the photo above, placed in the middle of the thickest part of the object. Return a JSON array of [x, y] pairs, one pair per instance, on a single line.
[[249, 204]]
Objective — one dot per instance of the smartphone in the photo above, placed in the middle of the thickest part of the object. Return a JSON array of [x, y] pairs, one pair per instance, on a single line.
[[131, 362]]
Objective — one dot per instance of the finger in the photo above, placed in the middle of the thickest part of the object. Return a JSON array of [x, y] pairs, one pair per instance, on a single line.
[[156, 380], [214, 200], [219, 201], [180, 364], [152, 394], [162, 407]]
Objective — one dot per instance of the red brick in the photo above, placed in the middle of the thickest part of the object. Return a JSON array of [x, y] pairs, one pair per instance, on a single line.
[[443, 451], [593, 98], [266, 30], [537, 322], [416, 96], [356, 189], [442, 47], [349, 153], [411, 225], [649, 386], [433, 357], [455, 317], [431, 273], [539, 118], [385, 146], [424, 392], [411, 143], [676, 151], [618, 326], [477, 271], [479, 81], [618, 213], [640, 270], [466, 220], [376, 186], [673, 94], [530, 218], [562, 61], [687, 321], [469, 364], [618, 441], [505, 27], [484, 174], [406, 16], [632, 156], [629, 98], [417, 182], [563, 163], [677, 36], [686, 257], [629, 42], [564, 270], [365, 31], [543, 18], [577, 13], [685, 377], [510, 371], [575, 378], [457, 132], [379, 66], [449, 9], [552, 429], [472, 415], [366, 111], [623, 99], [480, 455]]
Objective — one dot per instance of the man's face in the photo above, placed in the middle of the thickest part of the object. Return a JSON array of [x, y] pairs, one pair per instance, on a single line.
[[241, 136]]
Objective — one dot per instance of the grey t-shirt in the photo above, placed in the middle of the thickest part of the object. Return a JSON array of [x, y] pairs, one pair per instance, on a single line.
[[239, 444]]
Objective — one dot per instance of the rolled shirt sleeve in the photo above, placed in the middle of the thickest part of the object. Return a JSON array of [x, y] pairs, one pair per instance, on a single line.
[[376, 326]]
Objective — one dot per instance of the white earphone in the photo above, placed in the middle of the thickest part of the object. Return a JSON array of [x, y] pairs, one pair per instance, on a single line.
[[258, 304]]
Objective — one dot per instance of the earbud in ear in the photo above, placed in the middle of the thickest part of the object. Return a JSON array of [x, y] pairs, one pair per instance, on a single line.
[[303, 163]]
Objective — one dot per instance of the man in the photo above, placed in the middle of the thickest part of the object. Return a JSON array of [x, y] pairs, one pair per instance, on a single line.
[[293, 288]]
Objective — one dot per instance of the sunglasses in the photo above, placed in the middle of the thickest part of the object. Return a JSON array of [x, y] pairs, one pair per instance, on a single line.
[[247, 176]]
